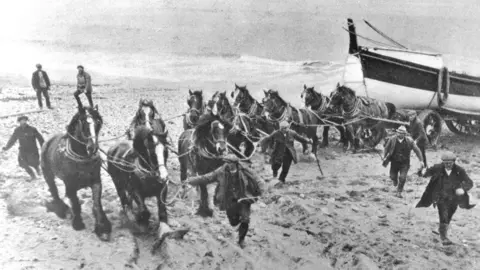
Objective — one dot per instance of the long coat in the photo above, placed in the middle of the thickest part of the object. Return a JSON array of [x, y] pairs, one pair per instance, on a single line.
[[435, 191], [418, 132], [283, 142], [36, 79], [27, 150], [390, 147]]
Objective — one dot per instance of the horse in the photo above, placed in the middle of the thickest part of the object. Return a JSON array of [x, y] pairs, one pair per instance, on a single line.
[[196, 107], [302, 121], [243, 126], [319, 104], [200, 151], [138, 169], [248, 105], [358, 111], [74, 158], [144, 115]]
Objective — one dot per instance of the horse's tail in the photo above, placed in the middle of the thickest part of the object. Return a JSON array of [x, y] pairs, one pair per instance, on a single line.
[[391, 109]]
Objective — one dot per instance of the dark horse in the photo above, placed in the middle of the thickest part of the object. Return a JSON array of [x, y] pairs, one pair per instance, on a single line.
[[359, 111], [139, 170], [200, 151], [318, 103], [301, 120], [242, 125], [254, 110], [73, 157], [195, 109]]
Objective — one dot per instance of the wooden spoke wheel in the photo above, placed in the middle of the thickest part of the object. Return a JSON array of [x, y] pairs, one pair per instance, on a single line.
[[432, 122], [464, 127]]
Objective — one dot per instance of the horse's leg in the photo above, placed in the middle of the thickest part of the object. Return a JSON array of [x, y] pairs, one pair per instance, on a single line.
[[343, 135], [249, 148], [143, 214], [313, 135], [103, 227], [124, 201], [77, 222], [325, 136], [162, 212], [351, 137], [57, 205], [204, 209]]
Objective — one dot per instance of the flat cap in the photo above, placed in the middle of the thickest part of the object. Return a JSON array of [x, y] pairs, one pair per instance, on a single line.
[[80, 66], [284, 124], [402, 129], [22, 117], [449, 156]]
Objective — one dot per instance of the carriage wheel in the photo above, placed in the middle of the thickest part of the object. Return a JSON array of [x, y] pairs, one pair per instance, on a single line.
[[432, 122], [464, 127]]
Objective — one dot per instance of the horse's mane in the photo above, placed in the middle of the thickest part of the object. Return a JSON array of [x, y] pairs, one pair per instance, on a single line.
[[142, 133], [349, 90], [275, 93], [94, 113]]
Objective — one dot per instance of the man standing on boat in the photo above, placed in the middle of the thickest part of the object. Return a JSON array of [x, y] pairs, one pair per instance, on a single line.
[[27, 152], [447, 190], [283, 151], [41, 84], [397, 152], [84, 85]]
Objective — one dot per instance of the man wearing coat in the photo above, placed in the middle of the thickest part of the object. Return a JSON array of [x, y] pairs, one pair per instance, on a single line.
[[84, 85], [41, 84], [27, 152], [447, 190], [397, 153], [283, 150], [237, 189], [417, 131]]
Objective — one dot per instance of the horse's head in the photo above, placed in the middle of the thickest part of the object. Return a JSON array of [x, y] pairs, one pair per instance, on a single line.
[[85, 127], [272, 102], [239, 95], [217, 131], [145, 113], [340, 95], [221, 104], [195, 100], [308, 95], [151, 144]]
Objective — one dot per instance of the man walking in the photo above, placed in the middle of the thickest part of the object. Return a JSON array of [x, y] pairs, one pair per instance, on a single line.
[[41, 84], [447, 190], [27, 152], [397, 152], [283, 150], [84, 85], [418, 133]]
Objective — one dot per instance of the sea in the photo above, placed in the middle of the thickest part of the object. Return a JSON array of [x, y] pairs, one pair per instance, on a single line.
[[213, 44]]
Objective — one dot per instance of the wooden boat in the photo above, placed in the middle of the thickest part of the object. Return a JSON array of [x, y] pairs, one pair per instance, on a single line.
[[414, 80]]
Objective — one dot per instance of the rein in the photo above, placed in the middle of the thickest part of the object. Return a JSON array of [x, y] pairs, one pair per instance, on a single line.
[[74, 156]]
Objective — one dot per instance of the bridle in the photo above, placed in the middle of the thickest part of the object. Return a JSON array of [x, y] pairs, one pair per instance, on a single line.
[[313, 97], [269, 117], [253, 107]]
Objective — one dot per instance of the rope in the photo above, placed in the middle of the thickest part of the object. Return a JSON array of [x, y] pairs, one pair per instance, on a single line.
[[111, 139]]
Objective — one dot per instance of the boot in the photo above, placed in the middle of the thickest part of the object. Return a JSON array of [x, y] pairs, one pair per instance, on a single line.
[[443, 230]]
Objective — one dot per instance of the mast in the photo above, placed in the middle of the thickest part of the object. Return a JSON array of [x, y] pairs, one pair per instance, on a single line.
[[353, 37]]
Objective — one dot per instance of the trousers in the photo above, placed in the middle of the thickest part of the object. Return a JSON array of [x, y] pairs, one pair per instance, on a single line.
[[43, 91], [284, 163], [398, 174], [87, 93], [446, 210]]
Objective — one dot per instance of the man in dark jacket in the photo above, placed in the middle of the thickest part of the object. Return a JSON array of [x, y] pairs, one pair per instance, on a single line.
[[283, 150], [397, 152], [237, 189], [418, 133], [27, 151], [84, 85], [447, 190], [41, 84]]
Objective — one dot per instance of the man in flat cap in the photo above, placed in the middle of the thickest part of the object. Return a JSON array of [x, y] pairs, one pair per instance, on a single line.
[[397, 153], [283, 150], [84, 85], [27, 152], [41, 84], [447, 190]]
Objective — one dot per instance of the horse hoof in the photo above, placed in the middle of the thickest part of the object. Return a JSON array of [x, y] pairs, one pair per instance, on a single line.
[[324, 145], [58, 207], [205, 212], [103, 230], [78, 224], [105, 237]]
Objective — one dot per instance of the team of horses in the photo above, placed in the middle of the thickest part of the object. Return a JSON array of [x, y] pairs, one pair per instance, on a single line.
[[138, 168]]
